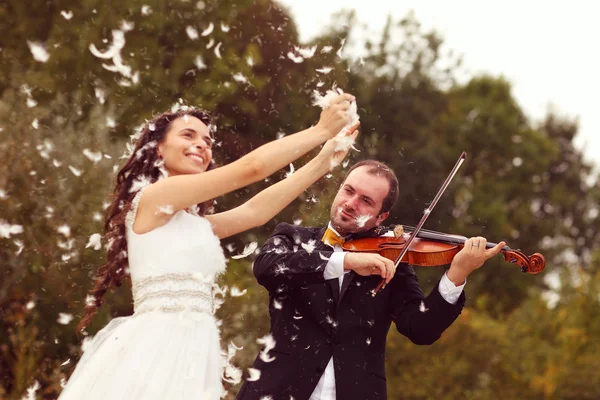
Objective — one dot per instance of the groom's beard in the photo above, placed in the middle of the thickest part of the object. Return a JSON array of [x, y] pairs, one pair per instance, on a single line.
[[346, 222]]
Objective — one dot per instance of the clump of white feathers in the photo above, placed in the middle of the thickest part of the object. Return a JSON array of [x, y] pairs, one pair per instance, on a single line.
[[344, 140], [324, 101]]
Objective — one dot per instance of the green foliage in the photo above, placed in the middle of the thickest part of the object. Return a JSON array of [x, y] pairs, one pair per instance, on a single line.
[[535, 352], [523, 181]]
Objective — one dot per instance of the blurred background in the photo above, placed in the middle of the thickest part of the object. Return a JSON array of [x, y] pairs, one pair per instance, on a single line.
[[511, 84]]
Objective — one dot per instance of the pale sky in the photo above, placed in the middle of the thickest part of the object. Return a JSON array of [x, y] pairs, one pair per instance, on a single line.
[[544, 48]]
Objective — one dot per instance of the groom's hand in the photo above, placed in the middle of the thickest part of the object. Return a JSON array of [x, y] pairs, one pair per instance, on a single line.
[[366, 264], [471, 257]]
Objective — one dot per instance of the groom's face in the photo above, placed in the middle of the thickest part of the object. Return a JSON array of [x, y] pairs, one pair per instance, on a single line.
[[357, 205]]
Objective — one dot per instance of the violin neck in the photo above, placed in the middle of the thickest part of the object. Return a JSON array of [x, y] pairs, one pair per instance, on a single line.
[[447, 238], [488, 245]]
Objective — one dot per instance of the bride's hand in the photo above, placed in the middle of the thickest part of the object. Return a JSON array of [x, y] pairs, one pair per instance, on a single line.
[[336, 149], [335, 117]]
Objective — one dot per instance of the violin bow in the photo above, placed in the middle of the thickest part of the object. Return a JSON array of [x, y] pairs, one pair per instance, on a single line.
[[426, 213]]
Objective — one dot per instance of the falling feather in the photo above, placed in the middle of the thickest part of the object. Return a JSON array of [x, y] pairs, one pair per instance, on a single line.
[[94, 241], [235, 292], [6, 229], [306, 52], [64, 318], [191, 32], [199, 63], [295, 58], [95, 157], [254, 374], [269, 344], [208, 30], [324, 70], [218, 50], [249, 249], [67, 14], [38, 51]]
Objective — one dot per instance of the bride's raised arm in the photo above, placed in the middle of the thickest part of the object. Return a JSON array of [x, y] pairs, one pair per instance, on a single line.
[[186, 152], [265, 205]]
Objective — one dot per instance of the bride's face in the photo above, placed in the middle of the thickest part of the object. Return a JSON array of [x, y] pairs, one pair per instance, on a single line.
[[187, 147]]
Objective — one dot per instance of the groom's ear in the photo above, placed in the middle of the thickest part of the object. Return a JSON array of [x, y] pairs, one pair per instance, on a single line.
[[382, 217]]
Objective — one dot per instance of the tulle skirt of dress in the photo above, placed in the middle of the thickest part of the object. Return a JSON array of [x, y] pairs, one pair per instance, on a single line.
[[155, 355]]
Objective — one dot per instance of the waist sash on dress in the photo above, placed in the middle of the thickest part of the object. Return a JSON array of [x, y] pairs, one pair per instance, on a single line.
[[173, 293]]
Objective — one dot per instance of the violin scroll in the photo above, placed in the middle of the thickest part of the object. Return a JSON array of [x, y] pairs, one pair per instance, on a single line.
[[533, 264]]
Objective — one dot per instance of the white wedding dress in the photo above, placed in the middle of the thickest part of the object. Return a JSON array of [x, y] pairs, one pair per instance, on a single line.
[[169, 348]]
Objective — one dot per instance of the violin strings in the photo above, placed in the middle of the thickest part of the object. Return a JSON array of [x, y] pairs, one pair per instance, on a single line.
[[444, 237]]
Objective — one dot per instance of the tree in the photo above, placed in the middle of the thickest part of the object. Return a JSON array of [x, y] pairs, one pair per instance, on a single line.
[[523, 181]]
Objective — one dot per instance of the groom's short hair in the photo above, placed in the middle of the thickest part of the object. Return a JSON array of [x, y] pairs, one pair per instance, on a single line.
[[378, 168]]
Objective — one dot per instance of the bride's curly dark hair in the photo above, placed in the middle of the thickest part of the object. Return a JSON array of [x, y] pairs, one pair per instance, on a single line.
[[143, 164]]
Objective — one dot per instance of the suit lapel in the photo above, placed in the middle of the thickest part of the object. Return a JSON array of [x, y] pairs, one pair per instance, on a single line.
[[348, 278], [334, 284]]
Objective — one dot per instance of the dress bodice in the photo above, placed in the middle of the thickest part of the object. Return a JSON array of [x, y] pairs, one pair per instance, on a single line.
[[173, 267]]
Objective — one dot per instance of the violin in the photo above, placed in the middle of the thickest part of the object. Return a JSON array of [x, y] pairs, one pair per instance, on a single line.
[[432, 249]]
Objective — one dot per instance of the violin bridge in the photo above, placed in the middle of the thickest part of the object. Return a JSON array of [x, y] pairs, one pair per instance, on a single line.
[[398, 231]]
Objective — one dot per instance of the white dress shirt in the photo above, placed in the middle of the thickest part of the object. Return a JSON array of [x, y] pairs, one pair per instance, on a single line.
[[325, 389]]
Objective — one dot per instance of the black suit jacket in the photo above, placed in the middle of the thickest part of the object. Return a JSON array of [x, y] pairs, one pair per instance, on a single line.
[[312, 320]]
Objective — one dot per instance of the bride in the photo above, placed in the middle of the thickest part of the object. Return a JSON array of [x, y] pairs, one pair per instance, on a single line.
[[159, 233]]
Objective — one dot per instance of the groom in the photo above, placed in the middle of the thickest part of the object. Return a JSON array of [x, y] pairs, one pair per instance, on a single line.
[[329, 331]]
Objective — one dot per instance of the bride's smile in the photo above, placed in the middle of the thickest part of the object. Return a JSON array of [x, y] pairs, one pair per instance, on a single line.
[[187, 147]]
